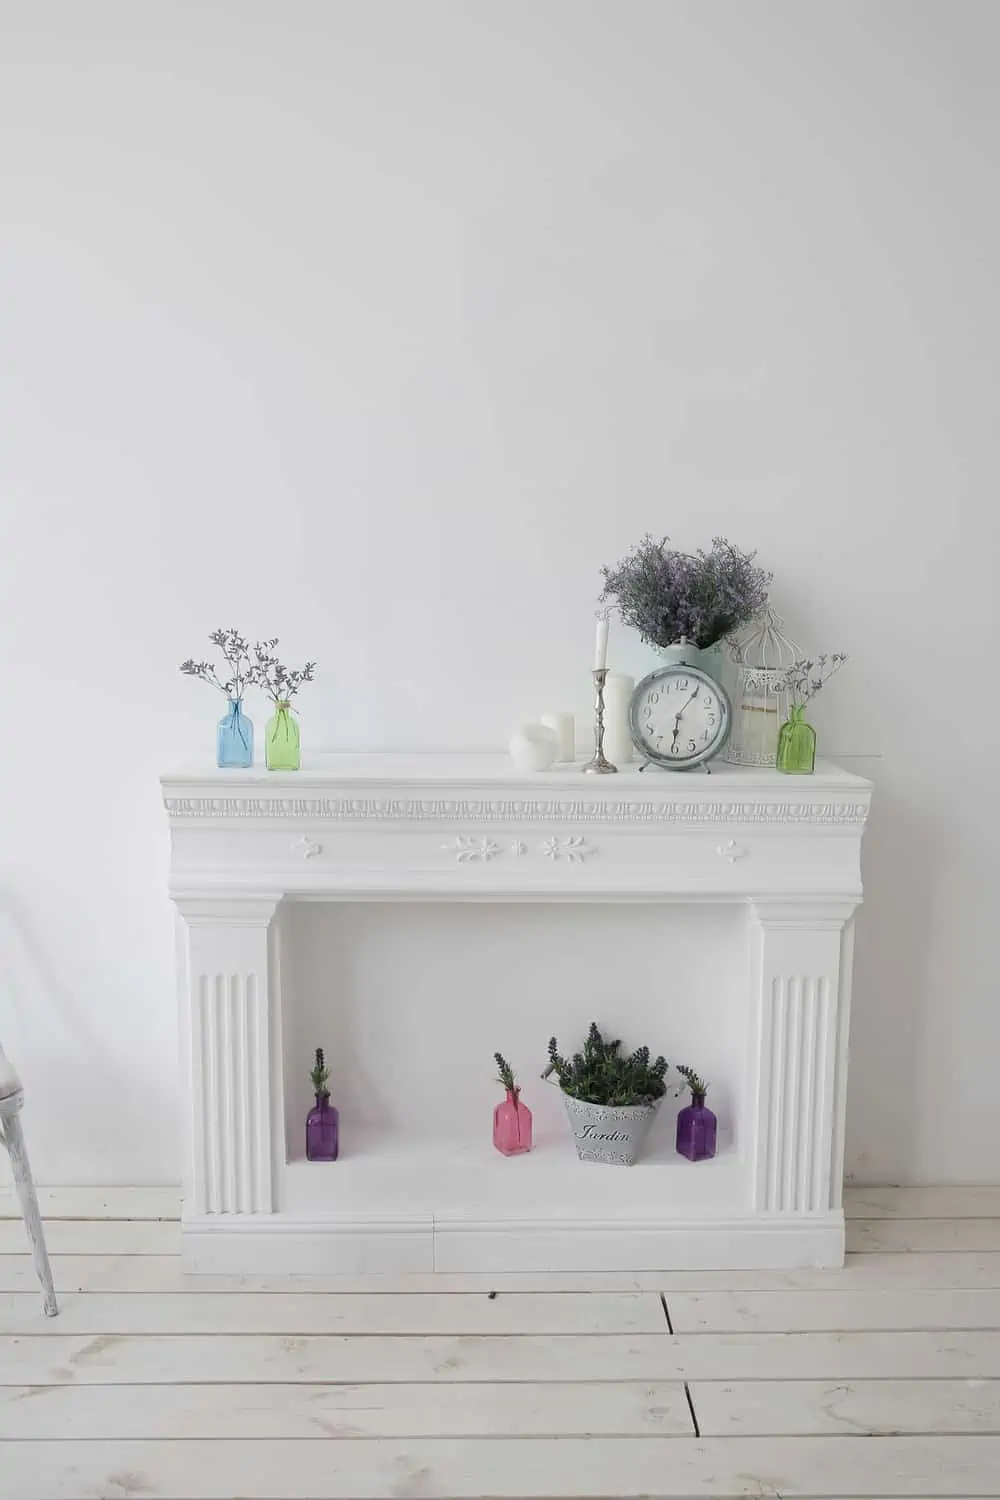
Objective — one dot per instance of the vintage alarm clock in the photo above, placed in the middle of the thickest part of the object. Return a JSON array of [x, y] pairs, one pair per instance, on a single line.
[[679, 717]]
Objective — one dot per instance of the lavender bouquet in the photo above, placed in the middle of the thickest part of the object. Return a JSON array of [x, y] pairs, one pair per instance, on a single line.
[[237, 669], [279, 682], [807, 677], [700, 597]]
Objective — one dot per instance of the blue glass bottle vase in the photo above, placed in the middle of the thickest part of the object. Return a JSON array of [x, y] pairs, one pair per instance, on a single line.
[[234, 738]]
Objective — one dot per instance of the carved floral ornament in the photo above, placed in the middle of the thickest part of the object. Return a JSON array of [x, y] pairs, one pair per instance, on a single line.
[[516, 810], [469, 850]]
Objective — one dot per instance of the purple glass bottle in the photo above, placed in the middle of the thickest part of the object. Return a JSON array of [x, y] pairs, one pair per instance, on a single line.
[[322, 1121], [696, 1130], [322, 1131]]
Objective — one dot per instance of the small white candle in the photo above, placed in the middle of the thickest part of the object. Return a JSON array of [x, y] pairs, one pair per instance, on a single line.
[[601, 648], [565, 728]]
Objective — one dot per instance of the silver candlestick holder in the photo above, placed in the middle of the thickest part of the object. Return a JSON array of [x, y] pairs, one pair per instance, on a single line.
[[599, 765]]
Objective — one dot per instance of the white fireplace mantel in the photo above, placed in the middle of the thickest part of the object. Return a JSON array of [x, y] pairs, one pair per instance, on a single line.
[[472, 829]]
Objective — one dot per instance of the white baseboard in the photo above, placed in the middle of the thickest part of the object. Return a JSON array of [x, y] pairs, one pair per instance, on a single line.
[[277, 1244]]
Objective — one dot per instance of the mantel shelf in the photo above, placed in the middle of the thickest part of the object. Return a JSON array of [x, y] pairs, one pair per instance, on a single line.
[[484, 770]]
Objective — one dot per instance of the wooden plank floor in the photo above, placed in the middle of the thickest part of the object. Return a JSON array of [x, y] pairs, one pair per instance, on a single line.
[[879, 1381]]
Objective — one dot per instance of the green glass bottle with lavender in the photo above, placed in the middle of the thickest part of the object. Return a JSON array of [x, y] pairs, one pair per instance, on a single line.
[[797, 737], [282, 742]]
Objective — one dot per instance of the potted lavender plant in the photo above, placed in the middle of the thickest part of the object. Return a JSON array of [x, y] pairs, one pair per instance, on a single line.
[[280, 683], [234, 736], [684, 603], [797, 738], [611, 1100]]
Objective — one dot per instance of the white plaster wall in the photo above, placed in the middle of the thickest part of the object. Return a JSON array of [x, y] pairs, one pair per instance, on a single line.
[[380, 326]]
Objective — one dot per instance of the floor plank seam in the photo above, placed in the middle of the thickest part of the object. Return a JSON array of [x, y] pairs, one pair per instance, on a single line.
[[314, 1382], [694, 1414]]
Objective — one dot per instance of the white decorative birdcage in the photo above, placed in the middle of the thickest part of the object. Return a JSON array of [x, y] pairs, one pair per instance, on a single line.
[[762, 657]]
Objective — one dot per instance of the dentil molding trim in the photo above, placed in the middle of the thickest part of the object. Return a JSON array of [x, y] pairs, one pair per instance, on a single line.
[[517, 810]]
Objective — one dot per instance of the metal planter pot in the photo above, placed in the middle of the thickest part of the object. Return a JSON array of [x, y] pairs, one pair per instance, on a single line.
[[609, 1133], [714, 660]]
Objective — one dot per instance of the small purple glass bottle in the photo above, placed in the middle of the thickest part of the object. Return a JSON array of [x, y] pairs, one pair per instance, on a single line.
[[323, 1120], [696, 1130], [322, 1131]]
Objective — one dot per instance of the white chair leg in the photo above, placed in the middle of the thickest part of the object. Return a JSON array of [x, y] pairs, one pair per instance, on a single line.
[[14, 1141]]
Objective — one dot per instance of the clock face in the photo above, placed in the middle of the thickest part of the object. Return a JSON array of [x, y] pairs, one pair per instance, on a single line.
[[679, 717]]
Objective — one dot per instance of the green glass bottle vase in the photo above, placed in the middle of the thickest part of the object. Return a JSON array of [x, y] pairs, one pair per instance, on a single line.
[[796, 744], [281, 739]]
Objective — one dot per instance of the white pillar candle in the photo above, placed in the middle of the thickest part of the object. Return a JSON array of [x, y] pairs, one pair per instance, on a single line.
[[618, 745], [565, 728], [601, 647]]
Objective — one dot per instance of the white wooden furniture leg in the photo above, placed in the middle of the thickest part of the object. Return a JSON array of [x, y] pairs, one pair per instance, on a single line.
[[14, 1141], [12, 1137]]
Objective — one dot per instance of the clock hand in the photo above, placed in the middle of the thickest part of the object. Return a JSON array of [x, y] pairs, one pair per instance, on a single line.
[[679, 714], [687, 704]]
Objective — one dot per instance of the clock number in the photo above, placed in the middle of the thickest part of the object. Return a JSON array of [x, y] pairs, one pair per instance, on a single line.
[[692, 747], [682, 683], [707, 702], [704, 738], [674, 750], [654, 697], [711, 718]]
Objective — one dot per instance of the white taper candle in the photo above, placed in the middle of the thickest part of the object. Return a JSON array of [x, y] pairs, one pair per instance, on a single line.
[[601, 647]]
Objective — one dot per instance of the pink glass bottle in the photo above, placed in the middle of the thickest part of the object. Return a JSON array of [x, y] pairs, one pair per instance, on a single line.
[[512, 1125], [696, 1130], [322, 1130]]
